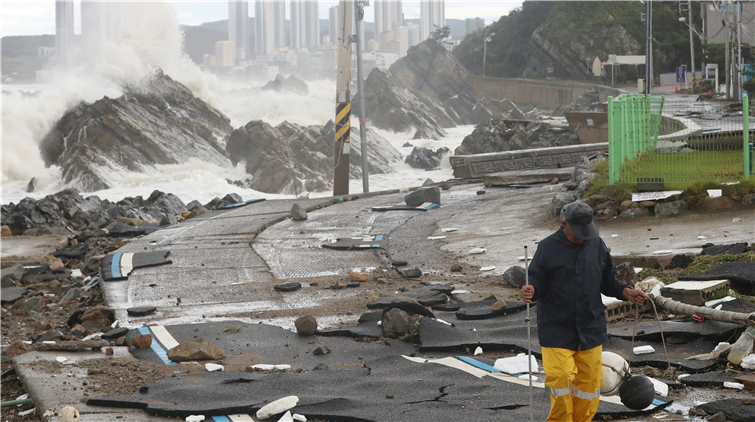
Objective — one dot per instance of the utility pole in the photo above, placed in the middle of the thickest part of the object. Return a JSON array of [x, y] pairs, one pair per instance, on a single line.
[[648, 46], [728, 60], [739, 51], [359, 10], [485, 42], [691, 44], [343, 100]]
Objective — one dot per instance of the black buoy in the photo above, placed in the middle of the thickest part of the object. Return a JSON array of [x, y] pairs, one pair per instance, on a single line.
[[637, 392]]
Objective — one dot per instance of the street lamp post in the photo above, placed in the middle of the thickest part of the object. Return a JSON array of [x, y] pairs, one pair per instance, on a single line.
[[485, 42]]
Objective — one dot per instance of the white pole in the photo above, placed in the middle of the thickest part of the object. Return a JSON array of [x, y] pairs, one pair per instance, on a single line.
[[529, 340]]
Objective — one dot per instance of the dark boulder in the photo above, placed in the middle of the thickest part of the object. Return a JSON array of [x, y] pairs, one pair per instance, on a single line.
[[425, 158]]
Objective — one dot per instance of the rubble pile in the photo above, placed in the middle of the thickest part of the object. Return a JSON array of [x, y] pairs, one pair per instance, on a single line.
[[511, 135]]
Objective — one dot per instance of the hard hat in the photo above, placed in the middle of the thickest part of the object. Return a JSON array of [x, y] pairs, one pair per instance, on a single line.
[[637, 392], [615, 368]]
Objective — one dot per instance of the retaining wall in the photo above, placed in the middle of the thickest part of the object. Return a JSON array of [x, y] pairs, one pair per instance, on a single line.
[[530, 92]]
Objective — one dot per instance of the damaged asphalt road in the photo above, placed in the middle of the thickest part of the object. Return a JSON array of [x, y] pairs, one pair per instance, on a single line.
[[225, 265]]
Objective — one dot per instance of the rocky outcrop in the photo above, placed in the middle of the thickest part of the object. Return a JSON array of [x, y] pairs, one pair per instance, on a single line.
[[293, 159], [158, 122], [565, 47], [509, 135], [426, 91], [290, 84], [426, 158]]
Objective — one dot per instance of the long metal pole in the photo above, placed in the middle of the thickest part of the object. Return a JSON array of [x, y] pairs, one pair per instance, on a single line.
[[648, 48], [484, 51], [739, 51], [691, 44], [529, 339], [360, 85], [728, 60]]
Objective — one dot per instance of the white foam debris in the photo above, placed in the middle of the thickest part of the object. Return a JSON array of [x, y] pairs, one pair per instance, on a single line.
[[436, 237], [300, 418], [195, 418], [61, 359], [478, 351], [213, 367], [642, 350], [516, 365], [277, 407], [734, 385], [483, 269], [476, 251]]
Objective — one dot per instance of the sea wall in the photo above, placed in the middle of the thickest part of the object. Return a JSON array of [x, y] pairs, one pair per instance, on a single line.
[[530, 92]]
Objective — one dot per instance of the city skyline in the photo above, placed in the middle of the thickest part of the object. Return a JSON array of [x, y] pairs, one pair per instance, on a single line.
[[38, 17]]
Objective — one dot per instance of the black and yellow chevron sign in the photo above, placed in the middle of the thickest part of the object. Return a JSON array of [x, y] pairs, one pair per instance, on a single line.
[[343, 124]]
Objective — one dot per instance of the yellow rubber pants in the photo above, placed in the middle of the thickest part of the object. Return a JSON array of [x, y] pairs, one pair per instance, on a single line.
[[572, 378]]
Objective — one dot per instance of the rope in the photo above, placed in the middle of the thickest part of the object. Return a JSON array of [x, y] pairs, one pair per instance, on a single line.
[[663, 340], [634, 330]]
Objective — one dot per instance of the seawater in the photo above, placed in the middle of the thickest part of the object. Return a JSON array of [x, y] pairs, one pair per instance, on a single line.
[[150, 38]]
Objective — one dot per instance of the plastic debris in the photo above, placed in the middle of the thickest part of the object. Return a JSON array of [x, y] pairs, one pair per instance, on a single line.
[[715, 302], [282, 367], [715, 193], [478, 351], [443, 322], [516, 365], [212, 367], [48, 413], [722, 347], [263, 367], [476, 251], [701, 237], [450, 229], [742, 347], [195, 418], [642, 350], [300, 418], [736, 220], [734, 385], [436, 237], [27, 412], [661, 388], [698, 318], [650, 285], [277, 407]]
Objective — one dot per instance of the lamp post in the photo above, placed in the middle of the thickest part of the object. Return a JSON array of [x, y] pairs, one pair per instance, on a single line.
[[485, 42]]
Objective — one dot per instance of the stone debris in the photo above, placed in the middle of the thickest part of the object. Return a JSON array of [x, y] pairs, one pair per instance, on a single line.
[[287, 287], [425, 158], [68, 414], [72, 346], [298, 213], [141, 311], [423, 195], [357, 276], [306, 325], [321, 349], [514, 276], [142, 342], [199, 349]]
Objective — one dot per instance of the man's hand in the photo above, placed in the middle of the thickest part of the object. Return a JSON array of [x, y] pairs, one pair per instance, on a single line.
[[635, 296], [527, 292]]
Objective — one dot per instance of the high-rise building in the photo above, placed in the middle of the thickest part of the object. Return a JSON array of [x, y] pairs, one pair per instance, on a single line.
[[225, 54], [387, 12], [333, 24], [295, 16], [311, 24], [64, 32], [100, 23], [472, 25], [238, 31], [432, 15], [269, 26]]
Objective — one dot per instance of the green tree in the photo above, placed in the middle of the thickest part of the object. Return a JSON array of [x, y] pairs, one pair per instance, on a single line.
[[440, 33]]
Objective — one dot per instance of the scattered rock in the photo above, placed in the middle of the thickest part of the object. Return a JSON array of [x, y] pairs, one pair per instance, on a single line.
[[199, 349], [298, 213], [554, 181], [631, 213], [142, 341], [114, 334], [321, 349], [15, 349], [395, 323], [720, 203], [287, 287], [501, 304], [33, 304], [670, 209], [141, 311], [98, 317], [68, 414], [718, 417], [71, 346], [652, 372], [422, 195], [425, 158], [457, 268], [357, 276], [321, 367], [5, 231], [14, 273], [560, 200], [411, 272], [306, 325], [515, 277], [72, 294], [168, 220], [445, 186]]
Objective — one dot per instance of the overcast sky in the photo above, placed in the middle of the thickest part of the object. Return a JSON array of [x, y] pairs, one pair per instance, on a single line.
[[36, 17]]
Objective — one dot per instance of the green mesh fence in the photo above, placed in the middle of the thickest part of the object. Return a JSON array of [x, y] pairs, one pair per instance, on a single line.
[[678, 143]]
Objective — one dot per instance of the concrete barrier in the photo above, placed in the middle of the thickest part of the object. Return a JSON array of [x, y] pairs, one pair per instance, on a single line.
[[467, 166], [529, 92]]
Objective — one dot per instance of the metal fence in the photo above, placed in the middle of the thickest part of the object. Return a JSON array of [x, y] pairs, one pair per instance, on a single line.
[[677, 143]]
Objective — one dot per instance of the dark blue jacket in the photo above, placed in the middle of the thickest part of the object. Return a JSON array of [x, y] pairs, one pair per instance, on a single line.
[[568, 279]]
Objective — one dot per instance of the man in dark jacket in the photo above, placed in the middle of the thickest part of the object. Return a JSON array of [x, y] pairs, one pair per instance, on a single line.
[[568, 273]]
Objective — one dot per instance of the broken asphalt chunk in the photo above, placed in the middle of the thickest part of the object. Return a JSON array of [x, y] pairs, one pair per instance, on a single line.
[[141, 311], [287, 287], [483, 309]]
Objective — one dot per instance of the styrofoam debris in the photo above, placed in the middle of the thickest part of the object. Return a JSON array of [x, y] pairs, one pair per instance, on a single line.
[[48, 342], [114, 324], [614, 235], [277, 407], [748, 362], [436, 237], [715, 302], [76, 273], [195, 418], [642, 350], [380, 322], [719, 307], [283, 367], [450, 229], [459, 292], [663, 252], [682, 376], [441, 321], [27, 412], [478, 351], [638, 270], [48, 413], [286, 417], [487, 269], [61, 359], [715, 193], [515, 365], [734, 385], [661, 388], [212, 367], [701, 237], [263, 367], [300, 418], [475, 251]]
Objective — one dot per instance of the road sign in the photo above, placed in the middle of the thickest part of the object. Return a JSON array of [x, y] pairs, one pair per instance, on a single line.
[[681, 74]]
